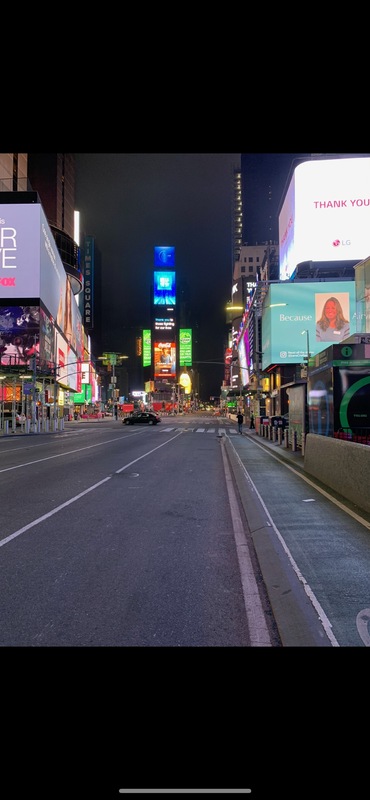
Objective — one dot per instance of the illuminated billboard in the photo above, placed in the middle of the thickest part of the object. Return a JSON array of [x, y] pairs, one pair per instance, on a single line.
[[164, 288], [164, 324], [325, 214], [147, 347], [185, 347], [31, 267], [243, 357], [326, 310], [164, 359], [19, 334], [164, 257]]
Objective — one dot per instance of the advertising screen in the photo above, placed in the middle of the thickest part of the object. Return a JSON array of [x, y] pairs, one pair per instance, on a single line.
[[164, 324], [164, 257], [20, 242], [185, 347], [19, 334], [325, 214], [147, 347], [164, 288], [243, 353], [31, 267], [324, 312], [47, 342], [68, 366], [352, 398], [164, 359]]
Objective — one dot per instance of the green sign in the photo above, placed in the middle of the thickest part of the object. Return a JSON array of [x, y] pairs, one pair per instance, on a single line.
[[147, 348], [185, 347], [110, 358]]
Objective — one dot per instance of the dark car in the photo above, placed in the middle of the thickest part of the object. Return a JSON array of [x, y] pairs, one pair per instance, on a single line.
[[145, 417]]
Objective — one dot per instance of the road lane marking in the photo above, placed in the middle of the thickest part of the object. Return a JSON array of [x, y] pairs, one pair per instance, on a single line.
[[81, 494]]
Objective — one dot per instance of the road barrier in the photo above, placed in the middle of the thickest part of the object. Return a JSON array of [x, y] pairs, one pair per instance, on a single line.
[[343, 466]]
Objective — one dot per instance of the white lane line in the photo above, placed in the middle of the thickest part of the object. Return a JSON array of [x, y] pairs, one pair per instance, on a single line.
[[258, 630], [78, 496], [318, 608], [310, 483]]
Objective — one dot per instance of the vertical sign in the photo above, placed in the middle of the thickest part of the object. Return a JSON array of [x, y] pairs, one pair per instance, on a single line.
[[147, 348], [185, 342], [89, 282]]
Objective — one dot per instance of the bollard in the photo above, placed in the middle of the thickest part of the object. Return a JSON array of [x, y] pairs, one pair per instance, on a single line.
[[274, 434], [286, 438], [280, 435], [294, 442]]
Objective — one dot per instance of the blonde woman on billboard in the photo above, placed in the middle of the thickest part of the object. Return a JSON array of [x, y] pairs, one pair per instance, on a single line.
[[332, 325]]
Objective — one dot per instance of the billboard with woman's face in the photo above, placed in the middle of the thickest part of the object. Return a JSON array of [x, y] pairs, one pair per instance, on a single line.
[[297, 314]]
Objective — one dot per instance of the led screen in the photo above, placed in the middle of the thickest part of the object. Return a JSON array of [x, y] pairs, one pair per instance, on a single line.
[[243, 353], [147, 347], [292, 309], [31, 267], [164, 359], [164, 257], [185, 347], [352, 398], [19, 334], [164, 288], [325, 214]]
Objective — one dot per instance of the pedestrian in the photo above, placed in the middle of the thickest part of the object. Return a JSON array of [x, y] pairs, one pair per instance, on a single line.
[[251, 424], [240, 419]]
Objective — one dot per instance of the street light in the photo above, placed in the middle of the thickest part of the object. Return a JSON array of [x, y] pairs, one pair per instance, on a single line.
[[110, 359]]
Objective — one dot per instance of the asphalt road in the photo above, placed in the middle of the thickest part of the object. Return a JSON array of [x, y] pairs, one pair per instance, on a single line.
[[116, 536], [184, 534]]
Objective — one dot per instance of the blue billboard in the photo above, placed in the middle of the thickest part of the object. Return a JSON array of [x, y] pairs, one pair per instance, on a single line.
[[301, 316], [164, 257], [164, 288]]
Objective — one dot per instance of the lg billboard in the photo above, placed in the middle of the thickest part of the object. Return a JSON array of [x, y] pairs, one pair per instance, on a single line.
[[326, 213]]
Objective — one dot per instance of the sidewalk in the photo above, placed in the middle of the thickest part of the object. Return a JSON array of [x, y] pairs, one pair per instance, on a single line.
[[279, 449]]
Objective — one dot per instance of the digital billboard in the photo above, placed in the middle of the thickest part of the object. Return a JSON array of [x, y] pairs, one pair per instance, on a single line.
[[147, 347], [67, 365], [164, 324], [31, 267], [325, 213], [185, 347], [19, 334], [164, 257], [243, 357], [164, 359], [164, 288], [293, 312]]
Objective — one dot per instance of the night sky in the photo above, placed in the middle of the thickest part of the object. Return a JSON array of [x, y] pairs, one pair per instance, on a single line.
[[132, 202]]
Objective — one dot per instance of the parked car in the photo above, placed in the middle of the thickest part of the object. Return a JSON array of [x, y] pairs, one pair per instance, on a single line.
[[146, 417], [280, 421], [19, 418]]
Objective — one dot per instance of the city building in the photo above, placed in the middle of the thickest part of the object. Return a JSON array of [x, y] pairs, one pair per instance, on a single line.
[[323, 234], [45, 352]]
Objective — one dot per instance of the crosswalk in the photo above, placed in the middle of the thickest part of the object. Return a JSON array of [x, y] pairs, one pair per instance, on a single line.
[[229, 431]]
